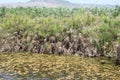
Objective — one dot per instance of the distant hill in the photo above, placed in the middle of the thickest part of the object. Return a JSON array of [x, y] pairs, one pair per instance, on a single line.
[[49, 3], [42, 3]]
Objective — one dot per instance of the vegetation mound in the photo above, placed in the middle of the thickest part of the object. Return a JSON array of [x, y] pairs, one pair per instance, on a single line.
[[88, 32]]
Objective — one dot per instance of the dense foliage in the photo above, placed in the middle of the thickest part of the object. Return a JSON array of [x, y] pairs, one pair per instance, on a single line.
[[102, 25]]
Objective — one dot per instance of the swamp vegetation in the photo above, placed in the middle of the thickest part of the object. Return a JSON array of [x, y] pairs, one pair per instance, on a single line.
[[87, 41]]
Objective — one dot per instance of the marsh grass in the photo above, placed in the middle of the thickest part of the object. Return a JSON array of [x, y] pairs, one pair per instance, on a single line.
[[52, 67], [101, 25]]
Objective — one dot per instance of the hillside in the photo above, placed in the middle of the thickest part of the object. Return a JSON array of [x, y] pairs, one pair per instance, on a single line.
[[51, 3], [41, 3]]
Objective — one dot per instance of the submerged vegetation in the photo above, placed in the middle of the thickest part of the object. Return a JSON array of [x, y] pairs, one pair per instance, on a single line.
[[52, 67], [79, 31]]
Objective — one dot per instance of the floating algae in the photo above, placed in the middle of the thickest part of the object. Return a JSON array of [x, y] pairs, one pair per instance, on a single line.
[[49, 67]]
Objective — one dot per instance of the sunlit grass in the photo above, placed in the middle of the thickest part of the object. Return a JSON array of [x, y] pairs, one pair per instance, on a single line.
[[58, 67]]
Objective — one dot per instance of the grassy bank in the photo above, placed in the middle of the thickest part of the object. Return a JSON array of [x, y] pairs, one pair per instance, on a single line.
[[58, 67], [99, 28]]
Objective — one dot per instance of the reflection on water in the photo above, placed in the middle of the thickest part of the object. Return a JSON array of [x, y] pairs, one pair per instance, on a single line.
[[8, 76], [11, 76]]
